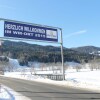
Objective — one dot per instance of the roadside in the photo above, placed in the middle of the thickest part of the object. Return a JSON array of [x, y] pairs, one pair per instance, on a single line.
[[9, 94], [81, 80]]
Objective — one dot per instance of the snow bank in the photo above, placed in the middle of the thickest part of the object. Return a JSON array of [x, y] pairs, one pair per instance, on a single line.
[[5, 95], [9, 94], [85, 79]]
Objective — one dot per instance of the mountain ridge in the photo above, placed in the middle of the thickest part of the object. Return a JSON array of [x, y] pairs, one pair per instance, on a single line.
[[25, 52], [86, 49]]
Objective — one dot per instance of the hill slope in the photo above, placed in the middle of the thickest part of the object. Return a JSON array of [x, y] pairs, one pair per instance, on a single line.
[[87, 49], [25, 52]]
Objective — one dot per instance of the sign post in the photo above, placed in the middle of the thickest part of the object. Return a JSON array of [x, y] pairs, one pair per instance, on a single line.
[[30, 31], [62, 57]]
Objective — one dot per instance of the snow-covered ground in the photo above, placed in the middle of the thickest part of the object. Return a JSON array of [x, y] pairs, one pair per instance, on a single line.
[[5, 95], [9, 94], [85, 79]]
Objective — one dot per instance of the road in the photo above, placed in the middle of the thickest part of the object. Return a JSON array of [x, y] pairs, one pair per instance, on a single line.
[[42, 91]]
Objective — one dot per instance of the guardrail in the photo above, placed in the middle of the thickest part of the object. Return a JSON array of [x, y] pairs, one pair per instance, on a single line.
[[52, 77]]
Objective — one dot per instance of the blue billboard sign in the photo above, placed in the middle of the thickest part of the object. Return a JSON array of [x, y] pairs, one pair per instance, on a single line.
[[19, 30]]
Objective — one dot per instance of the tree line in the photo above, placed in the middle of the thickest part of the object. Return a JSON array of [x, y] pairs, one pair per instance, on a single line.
[[25, 52]]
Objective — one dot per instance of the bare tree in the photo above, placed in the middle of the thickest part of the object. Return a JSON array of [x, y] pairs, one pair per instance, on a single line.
[[94, 64], [23, 72], [78, 67], [66, 65], [3, 63], [32, 68], [43, 66]]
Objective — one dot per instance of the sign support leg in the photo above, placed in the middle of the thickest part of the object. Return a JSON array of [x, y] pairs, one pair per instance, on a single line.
[[62, 57]]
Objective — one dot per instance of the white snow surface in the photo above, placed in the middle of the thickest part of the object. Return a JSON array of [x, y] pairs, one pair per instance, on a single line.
[[84, 79], [9, 94], [4, 95]]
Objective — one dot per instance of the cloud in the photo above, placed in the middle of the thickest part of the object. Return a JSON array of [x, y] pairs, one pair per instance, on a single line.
[[76, 33], [7, 7]]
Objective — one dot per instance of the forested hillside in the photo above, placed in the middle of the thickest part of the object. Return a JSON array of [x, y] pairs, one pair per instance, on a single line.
[[25, 52], [87, 49]]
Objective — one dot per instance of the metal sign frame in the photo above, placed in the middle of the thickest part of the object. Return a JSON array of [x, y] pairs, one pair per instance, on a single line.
[[19, 30], [24, 39]]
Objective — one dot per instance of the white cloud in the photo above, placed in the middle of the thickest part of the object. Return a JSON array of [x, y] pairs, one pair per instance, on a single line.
[[76, 33], [7, 7]]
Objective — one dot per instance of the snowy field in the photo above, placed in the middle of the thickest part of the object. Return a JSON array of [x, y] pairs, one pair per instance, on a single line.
[[85, 79]]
